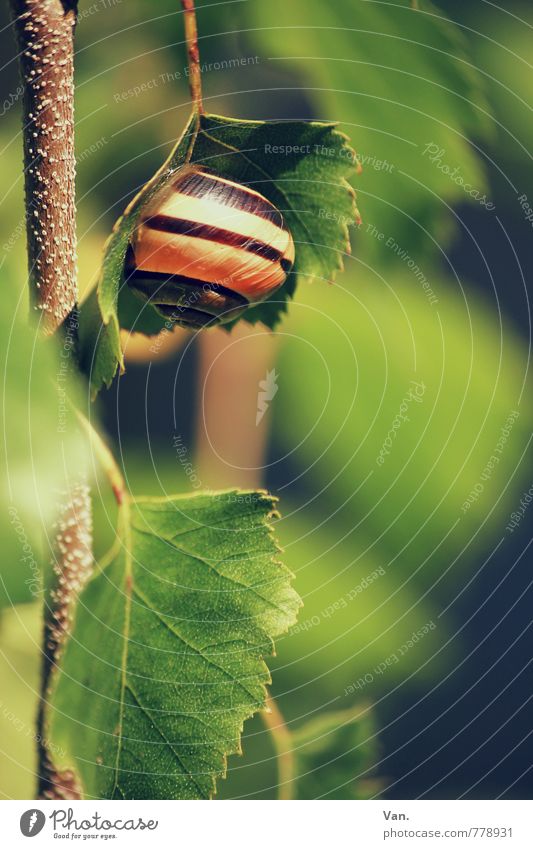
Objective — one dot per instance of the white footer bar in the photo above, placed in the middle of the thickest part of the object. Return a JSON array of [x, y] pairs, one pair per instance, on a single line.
[[264, 825]]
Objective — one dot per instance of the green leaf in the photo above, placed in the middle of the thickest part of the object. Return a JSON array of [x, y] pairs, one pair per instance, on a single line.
[[165, 661], [300, 167], [335, 754]]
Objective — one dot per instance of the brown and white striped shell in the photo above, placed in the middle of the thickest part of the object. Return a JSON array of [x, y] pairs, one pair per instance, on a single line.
[[206, 248]]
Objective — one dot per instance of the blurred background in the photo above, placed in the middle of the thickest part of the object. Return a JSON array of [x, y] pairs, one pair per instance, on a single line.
[[398, 400]]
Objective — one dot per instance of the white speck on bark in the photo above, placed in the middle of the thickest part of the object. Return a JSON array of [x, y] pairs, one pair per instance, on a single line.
[[72, 565], [45, 33]]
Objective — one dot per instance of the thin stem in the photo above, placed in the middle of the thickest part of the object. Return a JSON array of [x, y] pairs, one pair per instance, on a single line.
[[282, 740], [106, 459], [45, 35], [193, 54]]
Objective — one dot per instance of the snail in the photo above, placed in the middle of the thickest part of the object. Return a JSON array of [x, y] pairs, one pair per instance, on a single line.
[[207, 248]]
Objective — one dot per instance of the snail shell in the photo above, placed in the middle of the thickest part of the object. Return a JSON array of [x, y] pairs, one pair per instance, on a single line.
[[206, 248]]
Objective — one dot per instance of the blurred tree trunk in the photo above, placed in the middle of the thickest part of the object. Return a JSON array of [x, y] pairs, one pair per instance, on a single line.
[[231, 446]]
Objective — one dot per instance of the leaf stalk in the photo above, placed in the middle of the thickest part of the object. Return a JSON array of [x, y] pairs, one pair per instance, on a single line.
[[282, 740], [106, 460], [193, 54]]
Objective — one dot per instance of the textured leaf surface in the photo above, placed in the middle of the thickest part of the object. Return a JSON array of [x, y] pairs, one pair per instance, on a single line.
[[166, 658], [300, 167]]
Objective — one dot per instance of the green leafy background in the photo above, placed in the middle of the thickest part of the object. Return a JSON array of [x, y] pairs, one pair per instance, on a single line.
[[40, 446], [393, 96]]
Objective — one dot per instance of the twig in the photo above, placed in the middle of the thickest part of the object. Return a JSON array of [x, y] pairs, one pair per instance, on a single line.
[[193, 54], [72, 565], [282, 740], [106, 459], [45, 35]]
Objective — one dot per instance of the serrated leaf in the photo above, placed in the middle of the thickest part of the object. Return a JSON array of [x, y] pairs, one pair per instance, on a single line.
[[300, 167], [335, 754], [165, 661]]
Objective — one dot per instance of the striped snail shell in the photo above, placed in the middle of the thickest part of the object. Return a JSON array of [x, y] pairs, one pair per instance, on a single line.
[[206, 248]]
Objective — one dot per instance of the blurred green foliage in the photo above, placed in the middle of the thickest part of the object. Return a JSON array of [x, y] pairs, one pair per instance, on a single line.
[[40, 445], [423, 515], [397, 80], [407, 404], [20, 638], [335, 754]]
